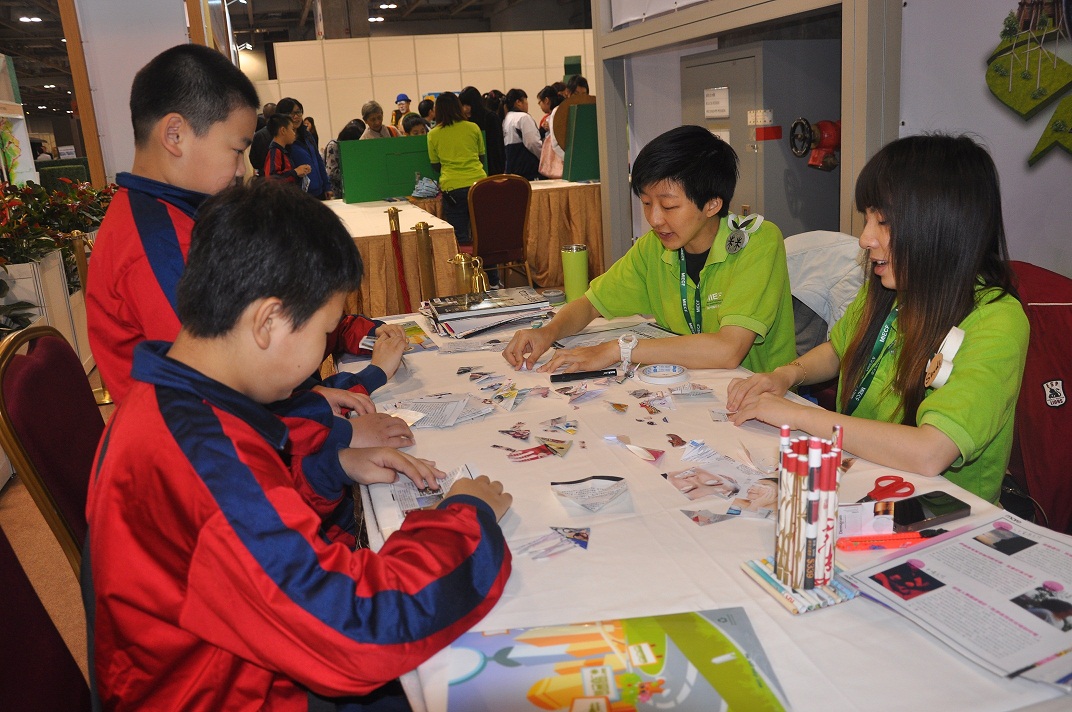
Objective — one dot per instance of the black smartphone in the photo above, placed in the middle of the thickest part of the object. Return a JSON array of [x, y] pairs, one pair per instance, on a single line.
[[927, 510]]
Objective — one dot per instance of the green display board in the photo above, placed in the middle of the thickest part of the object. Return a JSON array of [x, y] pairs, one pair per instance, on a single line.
[[376, 169], [582, 144]]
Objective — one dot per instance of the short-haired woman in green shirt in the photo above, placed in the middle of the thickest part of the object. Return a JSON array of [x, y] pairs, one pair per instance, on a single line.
[[936, 242]]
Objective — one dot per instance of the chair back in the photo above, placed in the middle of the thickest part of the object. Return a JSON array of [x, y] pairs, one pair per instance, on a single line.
[[1043, 413], [498, 216], [50, 426], [37, 670]]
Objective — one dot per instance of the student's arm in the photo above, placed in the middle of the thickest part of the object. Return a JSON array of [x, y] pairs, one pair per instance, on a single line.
[[528, 345], [724, 349], [337, 621], [925, 450], [530, 135]]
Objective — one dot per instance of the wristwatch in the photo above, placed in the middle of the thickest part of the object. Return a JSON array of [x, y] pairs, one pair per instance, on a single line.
[[626, 342]]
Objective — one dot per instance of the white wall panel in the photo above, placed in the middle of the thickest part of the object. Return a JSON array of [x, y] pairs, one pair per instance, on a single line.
[[484, 80], [346, 97], [438, 82], [268, 91], [393, 55], [480, 51], [297, 61], [387, 87], [563, 43], [523, 50], [347, 58], [437, 53]]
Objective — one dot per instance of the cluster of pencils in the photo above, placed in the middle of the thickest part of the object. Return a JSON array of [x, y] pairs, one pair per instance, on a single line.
[[806, 530]]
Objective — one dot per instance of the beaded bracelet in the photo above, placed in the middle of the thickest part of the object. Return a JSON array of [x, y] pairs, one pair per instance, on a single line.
[[803, 371]]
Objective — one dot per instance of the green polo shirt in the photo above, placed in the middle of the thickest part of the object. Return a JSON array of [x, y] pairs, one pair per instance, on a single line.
[[976, 406], [748, 289], [457, 148]]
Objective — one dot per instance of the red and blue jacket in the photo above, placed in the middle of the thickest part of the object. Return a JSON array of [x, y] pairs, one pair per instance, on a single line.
[[212, 584], [277, 164]]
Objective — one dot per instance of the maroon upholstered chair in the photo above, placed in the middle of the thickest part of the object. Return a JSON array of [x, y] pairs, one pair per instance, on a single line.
[[50, 426], [37, 670], [1044, 409], [498, 216]]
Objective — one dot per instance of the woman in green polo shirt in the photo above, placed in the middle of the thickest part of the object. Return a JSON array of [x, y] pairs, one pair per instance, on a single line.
[[456, 150], [936, 244]]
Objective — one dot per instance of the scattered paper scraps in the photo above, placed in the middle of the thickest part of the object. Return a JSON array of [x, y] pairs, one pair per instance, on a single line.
[[576, 536], [469, 345], [579, 394], [601, 382], [539, 392], [478, 375], [652, 455], [720, 415], [763, 462], [846, 464], [675, 440], [560, 424], [758, 499], [410, 416], [584, 445], [492, 386], [518, 431], [648, 421], [697, 483], [442, 410], [593, 493], [618, 407], [506, 396], [640, 393], [558, 447], [542, 547], [692, 391], [462, 370], [659, 402], [529, 454], [703, 517]]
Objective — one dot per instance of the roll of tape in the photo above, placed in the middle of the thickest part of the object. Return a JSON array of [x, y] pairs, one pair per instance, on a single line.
[[664, 374], [940, 366]]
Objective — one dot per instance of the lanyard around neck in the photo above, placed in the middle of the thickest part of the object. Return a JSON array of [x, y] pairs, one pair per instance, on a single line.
[[695, 325], [872, 364]]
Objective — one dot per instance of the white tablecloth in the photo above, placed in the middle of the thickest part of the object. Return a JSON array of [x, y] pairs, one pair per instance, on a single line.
[[653, 560]]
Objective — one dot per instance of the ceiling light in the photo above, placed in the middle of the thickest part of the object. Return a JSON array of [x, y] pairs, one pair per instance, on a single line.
[[50, 86], [69, 111], [24, 18], [375, 19], [388, 6], [42, 107], [64, 40]]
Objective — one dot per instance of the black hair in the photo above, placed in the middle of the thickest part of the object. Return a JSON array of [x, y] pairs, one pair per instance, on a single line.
[[425, 107], [472, 98], [512, 97], [704, 165], [287, 106], [552, 95], [353, 130], [939, 196], [448, 109], [493, 102], [267, 239], [576, 81], [411, 120], [277, 122], [559, 87], [196, 82]]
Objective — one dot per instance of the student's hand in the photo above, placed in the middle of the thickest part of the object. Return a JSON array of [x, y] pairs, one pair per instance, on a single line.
[[368, 466], [380, 430], [483, 488], [585, 358], [342, 400], [303, 169], [329, 194], [770, 408], [527, 346], [391, 343], [741, 389]]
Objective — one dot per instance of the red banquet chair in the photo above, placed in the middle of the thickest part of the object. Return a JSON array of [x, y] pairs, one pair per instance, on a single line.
[[1043, 411], [49, 427], [498, 218]]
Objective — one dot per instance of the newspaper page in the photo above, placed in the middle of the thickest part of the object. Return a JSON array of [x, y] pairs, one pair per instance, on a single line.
[[999, 593], [392, 502]]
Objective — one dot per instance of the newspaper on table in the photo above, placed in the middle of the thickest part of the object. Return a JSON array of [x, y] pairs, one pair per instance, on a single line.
[[392, 502], [593, 493], [443, 410], [1000, 594], [643, 330]]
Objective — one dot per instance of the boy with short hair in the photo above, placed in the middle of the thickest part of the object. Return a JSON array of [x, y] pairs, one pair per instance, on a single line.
[[413, 125], [718, 280], [213, 588], [277, 163]]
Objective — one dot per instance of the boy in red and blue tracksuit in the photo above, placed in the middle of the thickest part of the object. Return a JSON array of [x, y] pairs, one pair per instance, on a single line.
[[211, 585]]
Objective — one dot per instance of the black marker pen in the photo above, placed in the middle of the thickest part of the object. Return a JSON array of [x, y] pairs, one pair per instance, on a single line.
[[581, 375]]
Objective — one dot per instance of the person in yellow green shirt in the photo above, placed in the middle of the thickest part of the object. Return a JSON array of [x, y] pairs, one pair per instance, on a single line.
[[717, 280], [456, 150], [940, 276]]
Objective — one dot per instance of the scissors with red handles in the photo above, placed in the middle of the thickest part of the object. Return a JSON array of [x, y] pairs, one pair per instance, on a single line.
[[889, 486]]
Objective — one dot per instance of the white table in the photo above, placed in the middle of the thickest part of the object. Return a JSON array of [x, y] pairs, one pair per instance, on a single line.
[[653, 560]]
